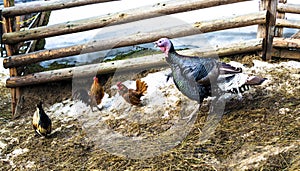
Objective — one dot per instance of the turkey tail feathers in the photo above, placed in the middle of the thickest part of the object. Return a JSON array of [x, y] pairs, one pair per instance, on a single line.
[[254, 80], [239, 90], [239, 83], [229, 69], [141, 86]]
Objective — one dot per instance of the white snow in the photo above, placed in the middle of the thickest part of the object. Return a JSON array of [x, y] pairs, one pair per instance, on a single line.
[[9, 157], [161, 96], [4, 73], [160, 93]]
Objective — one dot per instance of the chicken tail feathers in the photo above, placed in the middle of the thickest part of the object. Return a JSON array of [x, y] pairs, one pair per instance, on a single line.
[[141, 86], [229, 69]]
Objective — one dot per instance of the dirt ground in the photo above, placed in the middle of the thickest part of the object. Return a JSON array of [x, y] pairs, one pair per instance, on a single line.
[[259, 132]]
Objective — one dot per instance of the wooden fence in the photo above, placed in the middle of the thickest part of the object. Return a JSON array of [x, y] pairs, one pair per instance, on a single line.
[[269, 17]]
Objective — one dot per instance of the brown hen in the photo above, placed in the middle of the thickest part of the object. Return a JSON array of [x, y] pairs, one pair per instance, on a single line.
[[133, 96], [96, 92], [92, 98]]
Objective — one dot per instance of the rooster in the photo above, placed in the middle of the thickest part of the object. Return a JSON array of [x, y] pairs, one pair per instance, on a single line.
[[133, 96], [41, 122], [197, 77], [93, 97]]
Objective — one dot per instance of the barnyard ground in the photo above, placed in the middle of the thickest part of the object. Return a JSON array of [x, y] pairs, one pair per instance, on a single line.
[[261, 131]]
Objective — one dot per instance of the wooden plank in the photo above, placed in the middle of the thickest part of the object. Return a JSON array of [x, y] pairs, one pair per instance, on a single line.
[[288, 23], [158, 9], [98, 45], [1, 32], [152, 61], [41, 6], [286, 43], [285, 53], [289, 8]]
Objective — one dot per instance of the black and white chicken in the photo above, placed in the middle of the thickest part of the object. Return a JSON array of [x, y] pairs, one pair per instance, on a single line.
[[41, 122]]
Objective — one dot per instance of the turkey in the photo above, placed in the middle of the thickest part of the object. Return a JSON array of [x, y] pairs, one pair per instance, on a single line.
[[200, 77]]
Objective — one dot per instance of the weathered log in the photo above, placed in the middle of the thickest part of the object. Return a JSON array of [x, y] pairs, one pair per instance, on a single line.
[[97, 45], [32, 7], [235, 48], [152, 61], [156, 10], [289, 8], [285, 53], [288, 23], [296, 35], [87, 70], [286, 43]]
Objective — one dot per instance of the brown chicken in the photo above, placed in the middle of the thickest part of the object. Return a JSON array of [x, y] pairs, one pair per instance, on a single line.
[[41, 122], [133, 96], [92, 98], [96, 92]]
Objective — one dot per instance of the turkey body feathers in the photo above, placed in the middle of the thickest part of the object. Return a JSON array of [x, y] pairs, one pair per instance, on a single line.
[[193, 75], [189, 87], [197, 77]]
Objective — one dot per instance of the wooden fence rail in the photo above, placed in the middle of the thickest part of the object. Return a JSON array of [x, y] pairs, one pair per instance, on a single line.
[[97, 45], [286, 43], [41, 6], [289, 8], [112, 19], [288, 23]]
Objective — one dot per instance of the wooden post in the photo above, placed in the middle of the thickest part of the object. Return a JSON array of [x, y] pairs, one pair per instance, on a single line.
[[267, 30], [9, 26], [1, 33], [280, 15]]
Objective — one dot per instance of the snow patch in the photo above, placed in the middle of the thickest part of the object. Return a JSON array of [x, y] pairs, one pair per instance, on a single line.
[[4, 73]]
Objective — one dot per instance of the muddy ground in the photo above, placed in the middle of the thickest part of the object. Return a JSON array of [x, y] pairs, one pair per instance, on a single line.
[[259, 132]]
